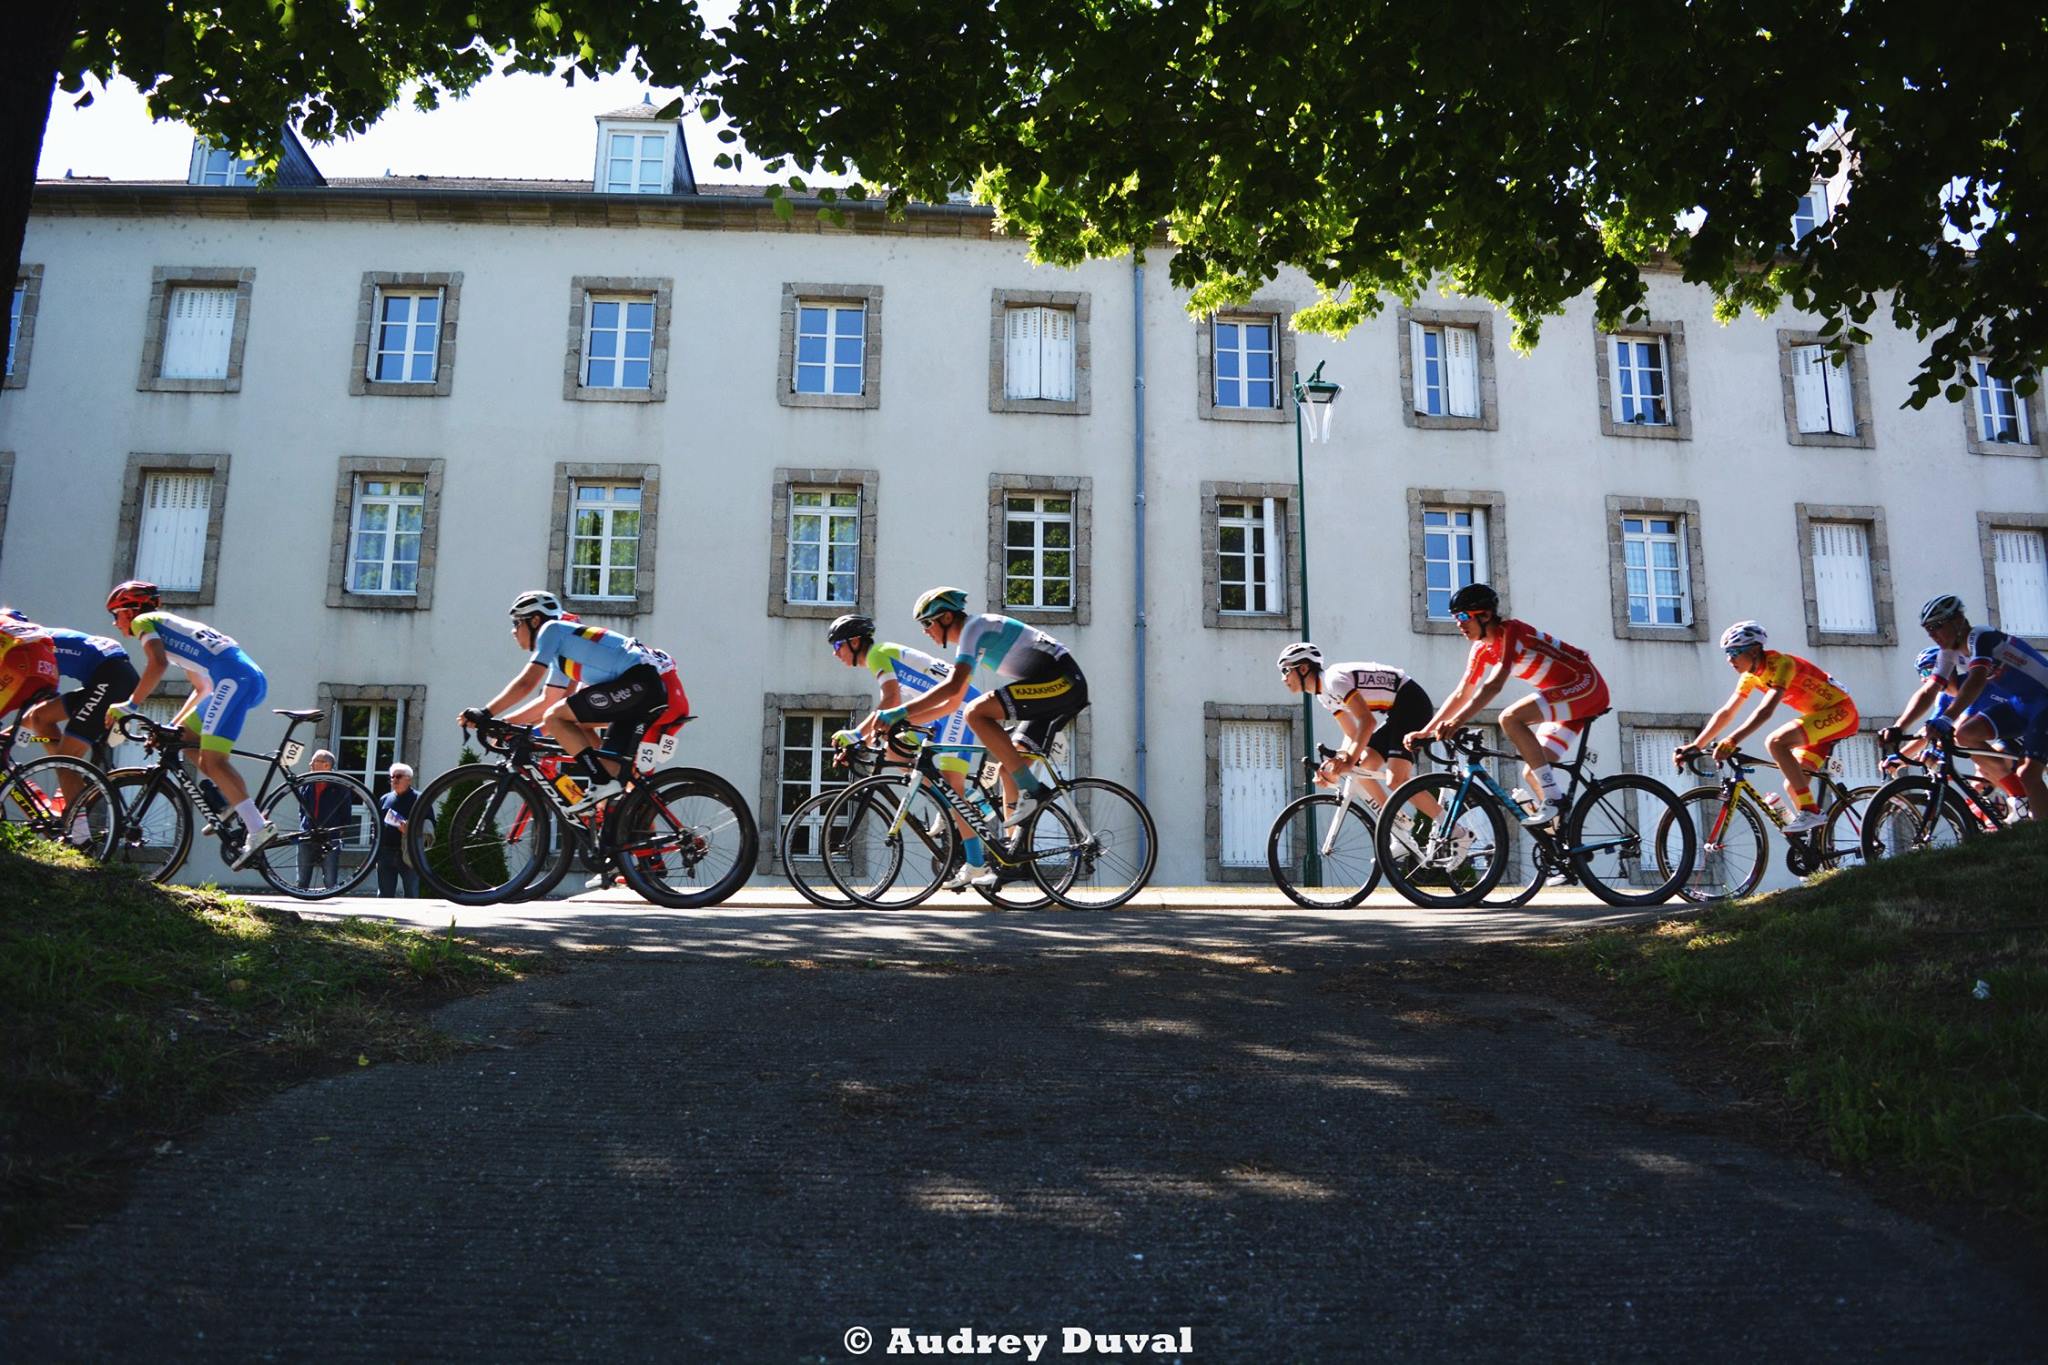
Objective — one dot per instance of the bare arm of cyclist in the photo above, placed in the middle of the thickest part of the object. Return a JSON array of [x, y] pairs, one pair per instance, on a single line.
[[1764, 707], [531, 712], [522, 685], [155, 659], [942, 700], [1714, 723], [1358, 722]]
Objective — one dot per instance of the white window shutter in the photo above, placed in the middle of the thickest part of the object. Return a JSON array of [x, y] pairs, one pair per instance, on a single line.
[[1858, 758], [1841, 398], [1653, 760], [1276, 559], [1841, 578], [1809, 388], [199, 331], [1418, 352], [1021, 375], [1461, 366], [1056, 354], [1615, 360], [1252, 787], [2021, 564], [170, 546]]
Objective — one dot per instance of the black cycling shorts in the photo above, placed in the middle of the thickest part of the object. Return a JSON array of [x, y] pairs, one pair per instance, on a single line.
[[114, 680], [1410, 712], [624, 706], [1036, 705]]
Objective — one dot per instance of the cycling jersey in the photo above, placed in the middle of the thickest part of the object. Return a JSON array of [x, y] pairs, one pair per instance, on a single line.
[[199, 649], [1007, 648], [28, 663], [79, 655], [2017, 668], [1376, 683], [1806, 686], [583, 656], [104, 675], [917, 673], [1570, 691]]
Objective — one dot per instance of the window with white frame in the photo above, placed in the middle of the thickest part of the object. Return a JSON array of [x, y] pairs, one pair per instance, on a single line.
[[831, 344], [1038, 551], [1811, 213], [2001, 411], [1453, 554], [367, 739], [385, 530], [14, 307], [1845, 600], [1252, 761], [604, 540], [637, 163], [1446, 364], [218, 166], [1251, 561], [2020, 568], [804, 771], [1246, 361], [1823, 393], [618, 341], [1641, 393], [1653, 759], [170, 544], [405, 345], [1038, 353], [199, 331], [824, 547], [1654, 562]]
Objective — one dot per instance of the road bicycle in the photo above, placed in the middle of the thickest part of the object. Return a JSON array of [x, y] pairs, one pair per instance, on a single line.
[[163, 803], [1734, 850], [1935, 808], [681, 837], [1597, 841], [1092, 848], [57, 797], [1322, 851]]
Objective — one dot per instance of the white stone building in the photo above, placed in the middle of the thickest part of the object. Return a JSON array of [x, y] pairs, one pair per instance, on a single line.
[[348, 419]]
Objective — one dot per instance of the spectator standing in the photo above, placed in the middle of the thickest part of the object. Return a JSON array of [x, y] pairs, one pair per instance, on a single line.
[[396, 806], [327, 807]]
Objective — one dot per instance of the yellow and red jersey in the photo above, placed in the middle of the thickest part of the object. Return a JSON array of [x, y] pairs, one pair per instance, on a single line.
[[1806, 686]]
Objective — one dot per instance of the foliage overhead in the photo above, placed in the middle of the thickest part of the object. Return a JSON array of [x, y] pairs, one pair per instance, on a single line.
[[1524, 151]]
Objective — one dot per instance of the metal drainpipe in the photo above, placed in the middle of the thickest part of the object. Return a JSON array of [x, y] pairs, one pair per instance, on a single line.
[[1138, 496]]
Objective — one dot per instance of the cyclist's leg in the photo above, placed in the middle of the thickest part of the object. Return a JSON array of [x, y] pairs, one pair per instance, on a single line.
[[1389, 740], [1038, 702], [219, 721]]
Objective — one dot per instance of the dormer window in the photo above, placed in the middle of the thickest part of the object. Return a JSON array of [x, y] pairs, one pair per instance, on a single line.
[[638, 153], [217, 166], [1812, 211]]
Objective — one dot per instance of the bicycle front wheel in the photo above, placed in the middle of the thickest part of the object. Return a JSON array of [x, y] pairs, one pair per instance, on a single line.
[[1910, 813], [1844, 843], [1733, 847], [1611, 853], [1321, 852], [156, 824], [898, 841], [305, 848], [1442, 841], [685, 839], [479, 850], [805, 836], [1115, 851], [65, 800]]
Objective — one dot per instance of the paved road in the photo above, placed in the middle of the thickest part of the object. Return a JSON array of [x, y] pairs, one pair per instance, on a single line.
[[1241, 1122]]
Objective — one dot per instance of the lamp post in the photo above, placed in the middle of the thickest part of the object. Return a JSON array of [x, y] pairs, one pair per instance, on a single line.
[[1314, 398]]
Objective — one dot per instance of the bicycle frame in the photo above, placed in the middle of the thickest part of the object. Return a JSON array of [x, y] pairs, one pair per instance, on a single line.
[[1471, 763], [171, 766], [977, 818], [1946, 780]]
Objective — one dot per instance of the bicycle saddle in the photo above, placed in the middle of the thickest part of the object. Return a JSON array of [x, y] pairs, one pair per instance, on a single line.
[[295, 715]]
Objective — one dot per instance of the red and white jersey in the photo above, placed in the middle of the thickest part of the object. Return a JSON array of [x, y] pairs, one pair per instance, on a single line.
[[1543, 661]]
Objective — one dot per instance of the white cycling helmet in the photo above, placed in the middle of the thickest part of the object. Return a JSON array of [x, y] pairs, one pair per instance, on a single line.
[[537, 602], [1301, 652], [1946, 607], [1742, 635]]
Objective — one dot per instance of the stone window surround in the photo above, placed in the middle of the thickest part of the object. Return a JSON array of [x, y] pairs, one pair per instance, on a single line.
[[6, 490], [162, 280], [449, 282], [2037, 412], [1859, 385], [352, 468], [128, 531], [567, 474], [1987, 522], [1479, 319], [774, 705], [1215, 493], [1213, 715], [1082, 491], [1001, 302], [581, 287], [1887, 632], [30, 279], [869, 482], [1677, 374], [414, 695], [1496, 508], [1275, 311], [1620, 505], [868, 295], [1691, 721]]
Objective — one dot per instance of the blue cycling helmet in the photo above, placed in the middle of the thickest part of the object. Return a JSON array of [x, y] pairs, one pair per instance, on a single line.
[[1929, 657]]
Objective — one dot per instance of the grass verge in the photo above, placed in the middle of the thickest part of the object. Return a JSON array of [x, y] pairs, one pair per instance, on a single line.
[[132, 1011], [1858, 999]]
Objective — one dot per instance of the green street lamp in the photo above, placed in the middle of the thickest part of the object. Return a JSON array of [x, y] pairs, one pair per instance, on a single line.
[[1314, 401]]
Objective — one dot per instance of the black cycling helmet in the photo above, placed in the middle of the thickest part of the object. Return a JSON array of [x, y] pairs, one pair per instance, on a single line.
[[1475, 597], [851, 626]]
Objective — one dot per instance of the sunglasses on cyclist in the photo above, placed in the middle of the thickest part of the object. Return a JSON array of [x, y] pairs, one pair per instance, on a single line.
[[1461, 616], [1736, 653]]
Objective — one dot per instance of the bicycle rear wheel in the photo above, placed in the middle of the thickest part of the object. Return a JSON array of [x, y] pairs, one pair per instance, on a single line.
[[1843, 846], [306, 846], [1733, 847], [684, 838], [884, 862], [1612, 854], [1016, 889], [805, 836], [1910, 813], [480, 851], [1338, 835], [156, 824], [1442, 841], [65, 800], [1115, 852]]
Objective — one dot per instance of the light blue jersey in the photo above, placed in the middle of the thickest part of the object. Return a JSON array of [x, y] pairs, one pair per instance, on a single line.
[[1006, 648], [583, 656]]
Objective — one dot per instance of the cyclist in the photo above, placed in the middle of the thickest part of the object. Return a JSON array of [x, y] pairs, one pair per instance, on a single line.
[[1826, 716], [587, 676], [28, 664], [226, 686], [1998, 771], [1037, 686], [901, 670], [1377, 706], [2001, 693], [72, 723], [1569, 692]]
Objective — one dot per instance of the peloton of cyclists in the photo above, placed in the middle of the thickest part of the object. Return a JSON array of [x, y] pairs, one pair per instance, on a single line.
[[2000, 695]]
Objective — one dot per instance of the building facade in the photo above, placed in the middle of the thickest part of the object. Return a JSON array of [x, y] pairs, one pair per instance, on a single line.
[[345, 421]]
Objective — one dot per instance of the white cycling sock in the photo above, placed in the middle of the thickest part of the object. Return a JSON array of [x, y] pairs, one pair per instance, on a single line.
[[1547, 783], [252, 819]]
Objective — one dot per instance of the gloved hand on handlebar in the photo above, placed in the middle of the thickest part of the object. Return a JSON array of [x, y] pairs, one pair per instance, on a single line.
[[475, 716], [1941, 727], [1888, 737]]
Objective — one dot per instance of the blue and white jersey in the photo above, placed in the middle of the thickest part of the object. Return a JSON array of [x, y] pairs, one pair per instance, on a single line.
[[196, 647], [917, 673], [79, 655], [2018, 670], [583, 656], [1004, 647]]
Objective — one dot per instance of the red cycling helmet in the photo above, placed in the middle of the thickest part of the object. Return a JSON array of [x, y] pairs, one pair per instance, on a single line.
[[134, 595]]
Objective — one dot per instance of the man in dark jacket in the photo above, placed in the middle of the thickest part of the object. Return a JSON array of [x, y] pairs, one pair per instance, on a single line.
[[396, 807], [327, 808]]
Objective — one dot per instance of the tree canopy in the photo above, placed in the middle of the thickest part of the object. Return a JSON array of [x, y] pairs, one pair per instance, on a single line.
[[1522, 151]]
